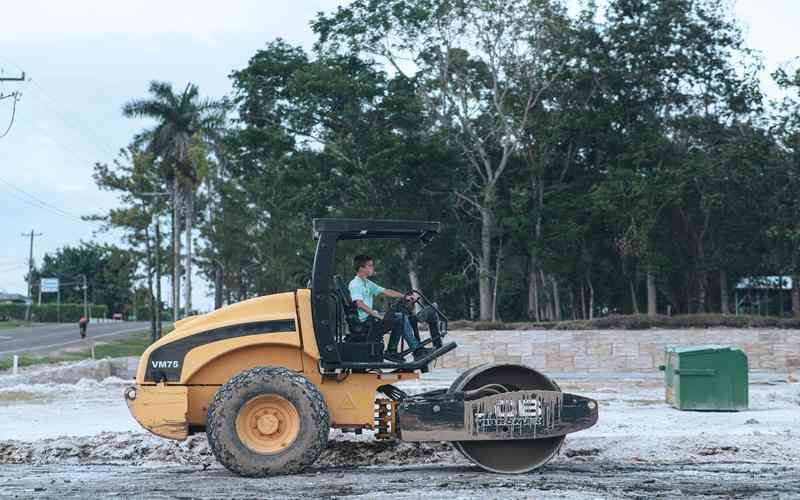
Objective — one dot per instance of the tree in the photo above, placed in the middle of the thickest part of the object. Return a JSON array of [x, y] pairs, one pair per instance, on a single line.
[[134, 176], [183, 120], [786, 130], [484, 66], [109, 272]]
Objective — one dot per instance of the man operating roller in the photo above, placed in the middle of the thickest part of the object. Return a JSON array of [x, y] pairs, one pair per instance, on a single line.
[[363, 291]]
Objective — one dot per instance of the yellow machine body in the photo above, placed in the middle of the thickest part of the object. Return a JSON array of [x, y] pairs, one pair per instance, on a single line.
[[176, 408]]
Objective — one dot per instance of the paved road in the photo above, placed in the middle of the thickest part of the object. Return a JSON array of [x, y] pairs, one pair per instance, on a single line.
[[43, 338]]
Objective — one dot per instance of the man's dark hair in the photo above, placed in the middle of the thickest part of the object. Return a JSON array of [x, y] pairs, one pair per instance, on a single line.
[[360, 261]]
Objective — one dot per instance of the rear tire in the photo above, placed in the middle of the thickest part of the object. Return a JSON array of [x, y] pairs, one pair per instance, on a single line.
[[267, 421]]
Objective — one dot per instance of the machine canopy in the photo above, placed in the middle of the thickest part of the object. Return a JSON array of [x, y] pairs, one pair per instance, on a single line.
[[365, 229]]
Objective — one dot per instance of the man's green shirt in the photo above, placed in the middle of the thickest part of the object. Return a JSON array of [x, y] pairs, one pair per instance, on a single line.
[[366, 290]]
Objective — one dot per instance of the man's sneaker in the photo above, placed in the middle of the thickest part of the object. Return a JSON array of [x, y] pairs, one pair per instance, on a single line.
[[394, 356], [422, 352]]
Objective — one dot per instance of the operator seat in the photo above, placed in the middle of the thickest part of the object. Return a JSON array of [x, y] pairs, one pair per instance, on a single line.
[[359, 330]]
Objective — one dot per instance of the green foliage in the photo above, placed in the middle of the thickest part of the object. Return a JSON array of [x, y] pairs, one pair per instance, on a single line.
[[51, 313], [638, 322], [570, 155], [109, 272]]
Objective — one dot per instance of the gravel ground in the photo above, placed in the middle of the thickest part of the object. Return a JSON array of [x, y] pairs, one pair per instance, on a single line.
[[51, 446]]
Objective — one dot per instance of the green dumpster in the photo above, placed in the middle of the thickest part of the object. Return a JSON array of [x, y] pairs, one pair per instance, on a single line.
[[709, 377]]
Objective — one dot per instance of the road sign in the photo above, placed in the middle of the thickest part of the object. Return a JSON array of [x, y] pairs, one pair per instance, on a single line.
[[49, 285]]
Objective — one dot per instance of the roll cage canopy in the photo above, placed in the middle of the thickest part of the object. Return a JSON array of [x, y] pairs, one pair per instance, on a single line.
[[327, 232], [366, 229]]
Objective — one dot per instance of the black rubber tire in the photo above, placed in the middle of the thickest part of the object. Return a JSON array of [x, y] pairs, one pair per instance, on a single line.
[[221, 422]]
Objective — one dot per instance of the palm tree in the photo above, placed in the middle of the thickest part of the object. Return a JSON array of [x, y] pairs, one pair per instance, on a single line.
[[181, 120]]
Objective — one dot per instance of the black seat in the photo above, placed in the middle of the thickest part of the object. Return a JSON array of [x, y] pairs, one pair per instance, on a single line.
[[359, 330], [364, 342]]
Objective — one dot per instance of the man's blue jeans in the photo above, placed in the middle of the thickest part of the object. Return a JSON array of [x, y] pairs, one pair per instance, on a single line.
[[401, 326]]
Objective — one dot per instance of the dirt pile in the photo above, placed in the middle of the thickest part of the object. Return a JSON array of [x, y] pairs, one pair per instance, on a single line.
[[73, 372], [135, 449]]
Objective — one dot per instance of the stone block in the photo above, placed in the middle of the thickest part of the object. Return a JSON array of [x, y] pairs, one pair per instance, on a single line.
[[520, 349], [508, 359]]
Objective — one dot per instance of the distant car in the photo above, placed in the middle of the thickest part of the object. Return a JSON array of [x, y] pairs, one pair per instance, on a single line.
[[116, 316]]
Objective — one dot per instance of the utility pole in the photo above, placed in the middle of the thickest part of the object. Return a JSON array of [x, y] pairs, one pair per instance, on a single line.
[[13, 79], [176, 251], [158, 268], [30, 235], [85, 302]]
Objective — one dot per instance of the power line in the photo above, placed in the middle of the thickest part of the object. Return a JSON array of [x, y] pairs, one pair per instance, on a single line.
[[29, 202], [96, 141], [13, 114], [39, 203], [81, 127], [9, 268]]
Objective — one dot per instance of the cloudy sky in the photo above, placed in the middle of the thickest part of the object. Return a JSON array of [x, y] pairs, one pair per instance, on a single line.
[[85, 58]]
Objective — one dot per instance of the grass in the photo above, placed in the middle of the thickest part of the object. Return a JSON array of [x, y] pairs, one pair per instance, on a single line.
[[132, 345], [27, 360]]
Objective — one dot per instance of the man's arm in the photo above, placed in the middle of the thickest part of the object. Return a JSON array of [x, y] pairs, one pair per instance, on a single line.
[[371, 312], [395, 294]]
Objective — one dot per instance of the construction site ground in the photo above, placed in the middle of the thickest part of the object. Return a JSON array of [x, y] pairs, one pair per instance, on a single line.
[[66, 434]]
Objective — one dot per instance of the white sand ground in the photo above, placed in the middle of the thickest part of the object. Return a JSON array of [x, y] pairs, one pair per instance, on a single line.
[[63, 433]]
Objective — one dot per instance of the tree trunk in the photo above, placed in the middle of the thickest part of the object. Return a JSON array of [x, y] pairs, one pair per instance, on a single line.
[[652, 304], [496, 280], [702, 285], [573, 304], [533, 289], [158, 275], [548, 304], [591, 295], [796, 295], [150, 270], [723, 292], [218, 280], [583, 302], [556, 300], [413, 279], [635, 303], [189, 225], [176, 251], [484, 274]]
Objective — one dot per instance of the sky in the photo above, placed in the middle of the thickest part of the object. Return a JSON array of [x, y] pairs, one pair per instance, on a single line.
[[85, 58]]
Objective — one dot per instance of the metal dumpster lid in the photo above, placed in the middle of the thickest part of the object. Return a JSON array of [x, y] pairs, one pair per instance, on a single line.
[[699, 349]]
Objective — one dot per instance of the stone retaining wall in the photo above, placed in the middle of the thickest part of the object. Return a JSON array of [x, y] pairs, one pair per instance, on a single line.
[[617, 350]]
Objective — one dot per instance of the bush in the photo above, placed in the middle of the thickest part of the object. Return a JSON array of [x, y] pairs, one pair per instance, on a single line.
[[638, 322], [51, 313]]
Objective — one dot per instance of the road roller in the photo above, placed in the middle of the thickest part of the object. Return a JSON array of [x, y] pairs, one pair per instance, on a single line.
[[267, 378]]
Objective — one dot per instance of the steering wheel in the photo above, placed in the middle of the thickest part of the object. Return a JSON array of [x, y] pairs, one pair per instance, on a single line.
[[405, 304]]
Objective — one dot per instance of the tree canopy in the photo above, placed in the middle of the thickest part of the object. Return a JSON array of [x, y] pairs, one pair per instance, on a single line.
[[583, 161]]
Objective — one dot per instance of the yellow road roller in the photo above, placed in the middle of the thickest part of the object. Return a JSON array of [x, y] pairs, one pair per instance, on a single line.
[[267, 378]]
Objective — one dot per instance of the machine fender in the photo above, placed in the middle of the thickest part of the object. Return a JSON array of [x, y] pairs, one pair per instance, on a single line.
[[165, 363]]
